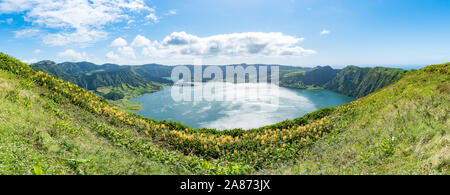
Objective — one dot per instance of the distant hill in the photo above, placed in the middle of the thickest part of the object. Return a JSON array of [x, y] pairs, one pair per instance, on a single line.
[[358, 82], [92, 76], [302, 79], [352, 80], [119, 79], [403, 128]]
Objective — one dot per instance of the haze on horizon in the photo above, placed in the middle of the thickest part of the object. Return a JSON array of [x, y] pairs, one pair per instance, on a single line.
[[394, 33]]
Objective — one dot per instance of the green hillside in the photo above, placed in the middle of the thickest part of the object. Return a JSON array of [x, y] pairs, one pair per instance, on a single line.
[[113, 82], [402, 129], [352, 80], [51, 126], [302, 79], [358, 82], [137, 80], [121, 79]]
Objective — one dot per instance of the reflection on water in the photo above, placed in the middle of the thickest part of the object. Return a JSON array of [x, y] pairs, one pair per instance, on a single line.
[[245, 105]]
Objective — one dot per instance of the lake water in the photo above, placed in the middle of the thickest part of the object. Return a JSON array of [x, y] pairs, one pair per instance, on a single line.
[[227, 106]]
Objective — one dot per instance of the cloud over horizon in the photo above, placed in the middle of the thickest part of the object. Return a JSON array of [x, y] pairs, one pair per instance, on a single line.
[[73, 55], [182, 44], [324, 32]]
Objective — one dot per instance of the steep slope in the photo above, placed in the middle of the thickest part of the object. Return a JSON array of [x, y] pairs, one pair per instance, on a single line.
[[38, 134], [358, 82], [92, 77], [402, 129], [49, 126], [113, 82], [56, 70], [352, 80], [317, 77]]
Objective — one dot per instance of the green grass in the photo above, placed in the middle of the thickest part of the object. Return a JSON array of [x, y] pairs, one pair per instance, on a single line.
[[132, 92], [294, 73], [126, 105], [402, 129], [37, 132], [48, 126], [95, 71]]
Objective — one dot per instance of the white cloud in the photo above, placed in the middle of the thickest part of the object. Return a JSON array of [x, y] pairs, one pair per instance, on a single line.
[[27, 33], [9, 20], [119, 42], [171, 12], [30, 61], [79, 21], [70, 54], [127, 52], [183, 47], [81, 36], [324, 32], [141, 41], [113, 56], [152, 17], [236, 44], [37, 51], [124, 52], [180, 38]]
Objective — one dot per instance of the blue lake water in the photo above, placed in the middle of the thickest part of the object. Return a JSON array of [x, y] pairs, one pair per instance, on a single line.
[[228, 106]]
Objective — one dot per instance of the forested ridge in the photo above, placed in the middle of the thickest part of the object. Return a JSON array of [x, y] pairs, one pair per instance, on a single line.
[[351, 81]]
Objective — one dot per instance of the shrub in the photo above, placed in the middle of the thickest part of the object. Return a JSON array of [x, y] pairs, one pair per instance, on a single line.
[[114, 95]]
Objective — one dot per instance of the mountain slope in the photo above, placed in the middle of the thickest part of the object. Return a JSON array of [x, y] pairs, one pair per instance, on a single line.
[[56, 70], [113, 82], [402, 129], [54, 127], [317, 77], [56, 138], [94, 77], [359, 82], [352, 80], [43, 131]]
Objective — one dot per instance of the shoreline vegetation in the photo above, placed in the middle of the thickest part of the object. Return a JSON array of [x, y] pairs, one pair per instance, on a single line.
[[124, 102], [402, 128]]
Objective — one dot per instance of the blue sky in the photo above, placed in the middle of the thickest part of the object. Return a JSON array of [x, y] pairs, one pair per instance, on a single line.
[[291, 32]]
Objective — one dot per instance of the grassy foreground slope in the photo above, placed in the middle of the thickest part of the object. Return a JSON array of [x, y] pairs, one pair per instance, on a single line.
[[42, 131], [402, 129], [38, 134]]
